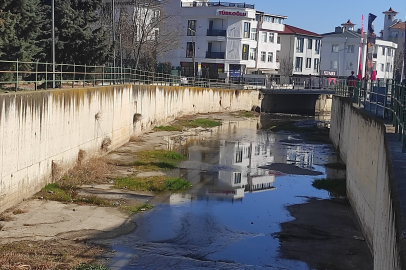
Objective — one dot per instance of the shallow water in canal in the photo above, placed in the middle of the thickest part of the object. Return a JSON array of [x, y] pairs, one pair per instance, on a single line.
[[229, 217]]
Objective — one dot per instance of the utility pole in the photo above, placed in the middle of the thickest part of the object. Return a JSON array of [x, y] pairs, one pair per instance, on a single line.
[[53, 44], [114, 37]]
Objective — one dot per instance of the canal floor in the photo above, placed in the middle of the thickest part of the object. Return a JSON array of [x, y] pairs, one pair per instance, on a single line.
[[252, 206]]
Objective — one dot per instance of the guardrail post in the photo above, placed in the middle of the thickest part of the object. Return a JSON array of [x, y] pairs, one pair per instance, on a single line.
[[385, 100], [74, 73], [46, 75], [103, 75], [94, 76], [84, 78], [36, 76], [60, 83], [16, 86]]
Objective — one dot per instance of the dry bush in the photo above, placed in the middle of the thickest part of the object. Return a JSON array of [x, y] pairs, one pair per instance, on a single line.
[[41, 255], [91, 171]]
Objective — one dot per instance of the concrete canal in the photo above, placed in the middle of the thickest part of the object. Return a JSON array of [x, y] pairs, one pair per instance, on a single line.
[[252, 204]]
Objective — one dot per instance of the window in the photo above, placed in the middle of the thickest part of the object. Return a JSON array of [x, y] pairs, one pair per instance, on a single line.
[[264, 37], [334, 64], [310, 44], [299, 64], [350, 65], [238, 156], [245, 49], [191, 27], [391, 68], [190, 49], [389, 52], [316, 64], [317, 47], [253, 52], [271, 37], [263, 56], [278, 40], [389, 17], [334, 48], [237, 178], [254, 34], [308, 63], [299, 44], [350, 49], [270, 57], [383, 50], [247, 27], [374, 65], [387, 67], [382, 67]]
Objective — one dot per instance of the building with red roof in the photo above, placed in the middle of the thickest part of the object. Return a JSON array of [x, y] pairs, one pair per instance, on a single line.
[[300, 51]]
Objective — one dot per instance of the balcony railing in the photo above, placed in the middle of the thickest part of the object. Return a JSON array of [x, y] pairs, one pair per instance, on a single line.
[[215, 55], [216, 32], [216, 4]]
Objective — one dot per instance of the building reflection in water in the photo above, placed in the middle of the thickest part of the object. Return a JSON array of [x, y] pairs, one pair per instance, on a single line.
[[227, 169]]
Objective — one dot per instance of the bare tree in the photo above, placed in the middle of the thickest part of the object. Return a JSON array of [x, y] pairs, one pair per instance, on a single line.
[[285, 68], [143, 26]]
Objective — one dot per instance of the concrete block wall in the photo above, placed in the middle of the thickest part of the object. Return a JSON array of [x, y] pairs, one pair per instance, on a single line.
[[361, 142], [41, 133]]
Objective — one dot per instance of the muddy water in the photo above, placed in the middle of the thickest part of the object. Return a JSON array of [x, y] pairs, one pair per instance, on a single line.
[[229, 219]]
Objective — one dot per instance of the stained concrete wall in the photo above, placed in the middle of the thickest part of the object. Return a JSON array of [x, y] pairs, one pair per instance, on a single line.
[[41, 133], [361, 141]]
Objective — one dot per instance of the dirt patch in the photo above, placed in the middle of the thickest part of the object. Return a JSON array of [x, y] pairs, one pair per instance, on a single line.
[[325, 235]]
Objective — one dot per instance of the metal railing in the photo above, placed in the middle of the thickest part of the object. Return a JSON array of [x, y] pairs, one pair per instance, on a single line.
[[386, 99], [18, 75], [216, 32], [215, 55]]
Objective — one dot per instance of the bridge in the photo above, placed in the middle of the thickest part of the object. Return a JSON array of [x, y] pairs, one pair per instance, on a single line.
[[97, 109]]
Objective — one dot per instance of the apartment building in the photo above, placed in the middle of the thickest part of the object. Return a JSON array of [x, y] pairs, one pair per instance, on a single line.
[[226, 40], [340, 53]]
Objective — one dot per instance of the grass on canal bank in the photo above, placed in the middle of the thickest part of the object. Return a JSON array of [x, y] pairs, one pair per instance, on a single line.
[[156, 159], [334, 186], [155, 183], [139, 208], [179, 125], [65, 194]]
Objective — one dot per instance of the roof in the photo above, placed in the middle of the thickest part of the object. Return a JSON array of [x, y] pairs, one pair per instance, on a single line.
[[399, 26], [347, 34], [289, 30], [348, 23], [390, 11]]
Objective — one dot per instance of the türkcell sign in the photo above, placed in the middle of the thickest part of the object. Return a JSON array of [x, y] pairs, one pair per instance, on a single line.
[[231, 13]]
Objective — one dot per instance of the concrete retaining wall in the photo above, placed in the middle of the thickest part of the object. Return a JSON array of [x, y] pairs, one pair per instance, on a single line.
[[41, 133], [361, 141]]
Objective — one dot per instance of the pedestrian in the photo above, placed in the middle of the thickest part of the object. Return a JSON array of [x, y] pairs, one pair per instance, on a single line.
[[351, 83]]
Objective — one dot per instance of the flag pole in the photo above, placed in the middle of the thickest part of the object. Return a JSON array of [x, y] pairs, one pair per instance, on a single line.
[[359, 77]]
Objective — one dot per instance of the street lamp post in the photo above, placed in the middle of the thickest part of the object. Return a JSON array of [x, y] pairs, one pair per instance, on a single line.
[[193, 52], [53, 44]]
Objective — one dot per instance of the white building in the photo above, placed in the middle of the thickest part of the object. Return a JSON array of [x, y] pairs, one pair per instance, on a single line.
[[300, 52], [340, 53], [226, 40]]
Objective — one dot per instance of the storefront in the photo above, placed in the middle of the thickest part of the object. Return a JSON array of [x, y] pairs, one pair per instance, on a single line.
[[187, 69], [212, 70]]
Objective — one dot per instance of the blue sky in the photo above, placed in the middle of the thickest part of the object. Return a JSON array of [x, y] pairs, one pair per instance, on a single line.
[[322, 16]]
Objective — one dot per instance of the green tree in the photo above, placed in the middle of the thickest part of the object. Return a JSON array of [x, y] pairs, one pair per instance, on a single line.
[[79, 38], [20, 25]]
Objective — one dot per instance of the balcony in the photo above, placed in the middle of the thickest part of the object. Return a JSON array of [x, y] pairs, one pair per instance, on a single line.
[[215, 55], [216, 32]]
